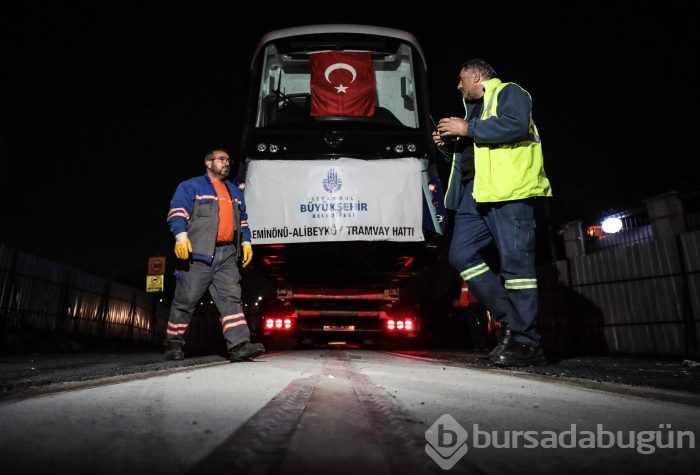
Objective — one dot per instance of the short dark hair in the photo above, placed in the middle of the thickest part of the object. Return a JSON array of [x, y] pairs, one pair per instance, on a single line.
[[480, 65], [210, 153]]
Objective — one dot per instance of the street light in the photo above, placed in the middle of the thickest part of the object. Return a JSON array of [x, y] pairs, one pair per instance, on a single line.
[[612, 225]]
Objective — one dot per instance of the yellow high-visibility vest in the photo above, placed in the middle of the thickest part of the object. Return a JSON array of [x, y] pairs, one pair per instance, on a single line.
[[509, 171]]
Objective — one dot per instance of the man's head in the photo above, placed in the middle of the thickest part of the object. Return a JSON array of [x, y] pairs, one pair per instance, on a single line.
[[471, 74], [218, 164]]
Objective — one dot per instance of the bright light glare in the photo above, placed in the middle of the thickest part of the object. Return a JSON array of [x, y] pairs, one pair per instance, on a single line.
[[612, 225]]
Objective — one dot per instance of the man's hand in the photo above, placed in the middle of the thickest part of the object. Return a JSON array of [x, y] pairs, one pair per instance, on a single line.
[[452, 127], [247, 253], [183, 246], [437, 139]]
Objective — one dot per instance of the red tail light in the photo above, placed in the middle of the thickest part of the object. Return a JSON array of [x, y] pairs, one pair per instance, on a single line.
[[279, 323], [400, 325]]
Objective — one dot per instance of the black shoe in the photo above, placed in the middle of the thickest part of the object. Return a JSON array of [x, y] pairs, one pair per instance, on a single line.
[[245, 351], [501, 345], [518, 353], [174, 352]]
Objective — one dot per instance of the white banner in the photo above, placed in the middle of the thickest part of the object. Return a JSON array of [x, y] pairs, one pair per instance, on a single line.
[[334, 200]]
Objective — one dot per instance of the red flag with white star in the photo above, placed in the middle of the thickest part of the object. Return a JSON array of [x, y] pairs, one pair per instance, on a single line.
[[342, 84]]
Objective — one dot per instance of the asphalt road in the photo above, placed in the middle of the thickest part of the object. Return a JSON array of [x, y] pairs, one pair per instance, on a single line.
[[33, 373], [339, 410]]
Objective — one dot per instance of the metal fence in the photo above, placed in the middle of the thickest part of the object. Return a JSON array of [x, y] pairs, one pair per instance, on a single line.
[[40, 295], [639, 299], [691, 204]]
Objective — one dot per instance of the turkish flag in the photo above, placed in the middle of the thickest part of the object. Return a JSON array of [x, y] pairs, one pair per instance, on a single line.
[[342, 84]]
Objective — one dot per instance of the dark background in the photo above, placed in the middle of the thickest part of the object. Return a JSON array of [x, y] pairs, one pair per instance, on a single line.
[[106, 106]]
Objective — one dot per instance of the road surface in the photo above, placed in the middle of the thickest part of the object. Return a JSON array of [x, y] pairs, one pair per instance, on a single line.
[[346, 411]]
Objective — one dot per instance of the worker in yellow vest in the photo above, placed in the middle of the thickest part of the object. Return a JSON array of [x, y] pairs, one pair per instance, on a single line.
[[497, 172]]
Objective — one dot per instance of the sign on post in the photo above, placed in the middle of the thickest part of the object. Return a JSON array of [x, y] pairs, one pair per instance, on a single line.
[[156, 265], [156, 269], [154, 283]]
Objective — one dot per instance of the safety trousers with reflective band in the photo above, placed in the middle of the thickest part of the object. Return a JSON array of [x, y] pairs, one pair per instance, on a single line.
[[232, 321], [520, 284], [474, 271], [222, 279], [511, 227], [177, 329], [510, 284]]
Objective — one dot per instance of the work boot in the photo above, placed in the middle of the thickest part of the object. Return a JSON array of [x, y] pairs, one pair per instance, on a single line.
[[501, 345], [518, 353], [245, 351], [173, 352]]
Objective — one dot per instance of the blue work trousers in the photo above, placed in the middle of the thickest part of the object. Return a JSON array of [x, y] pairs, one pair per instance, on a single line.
[[511, 225], [222, 278]]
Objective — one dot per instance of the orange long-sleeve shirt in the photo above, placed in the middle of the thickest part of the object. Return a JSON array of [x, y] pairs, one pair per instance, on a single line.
[[226, 224]]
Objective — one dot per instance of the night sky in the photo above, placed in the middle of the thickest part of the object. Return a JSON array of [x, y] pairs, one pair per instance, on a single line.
[[106, 106]]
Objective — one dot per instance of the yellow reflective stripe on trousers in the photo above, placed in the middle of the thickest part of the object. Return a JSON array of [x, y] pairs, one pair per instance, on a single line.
[[474, 271], [520, 284]]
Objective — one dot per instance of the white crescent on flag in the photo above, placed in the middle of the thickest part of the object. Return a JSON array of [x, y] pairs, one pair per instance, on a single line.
[[335, 66]]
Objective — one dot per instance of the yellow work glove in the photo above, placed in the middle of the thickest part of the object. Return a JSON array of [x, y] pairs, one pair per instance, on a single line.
[[183, 246], [247, 253]]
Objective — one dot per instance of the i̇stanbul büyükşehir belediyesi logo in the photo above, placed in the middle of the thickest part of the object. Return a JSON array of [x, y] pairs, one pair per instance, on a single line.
[[332, 182]]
